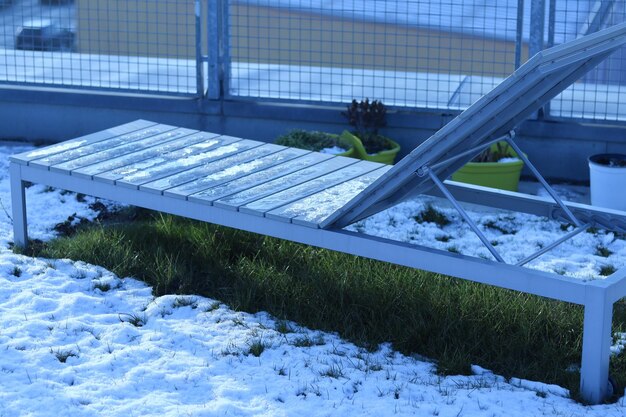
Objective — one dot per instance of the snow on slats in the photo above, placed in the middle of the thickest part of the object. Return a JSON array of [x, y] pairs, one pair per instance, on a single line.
[[223, 170], [311, 210], [202, 171], [313, 186], [26, 157], [281, 183], [98, 146], [209, 195], [122, 149], [158, 149], [208, 142], [175, 166]]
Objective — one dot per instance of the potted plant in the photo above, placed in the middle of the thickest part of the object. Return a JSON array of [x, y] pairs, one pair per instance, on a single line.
[[497, 167], [367, 118], [607, 175], [316, 141]]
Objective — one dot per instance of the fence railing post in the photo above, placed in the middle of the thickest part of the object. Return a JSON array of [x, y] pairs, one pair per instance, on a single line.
[[537, 26], [536, 41], [199, 56], [217, 40], [519, 40]]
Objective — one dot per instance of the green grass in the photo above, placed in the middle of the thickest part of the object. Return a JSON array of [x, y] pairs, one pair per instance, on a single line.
[[456, 322], [603, 251], [432, 215]]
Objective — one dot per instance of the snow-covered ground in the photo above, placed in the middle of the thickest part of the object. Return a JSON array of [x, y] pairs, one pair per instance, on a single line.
[[589, 255], [71, 345]]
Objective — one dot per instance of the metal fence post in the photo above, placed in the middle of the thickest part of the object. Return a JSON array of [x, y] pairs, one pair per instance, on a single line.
[[536, 41], [219, 52], [199, 56], [225, 35], [551, 23], [594, 371], [537, 26], [215, 43], [519, 40]]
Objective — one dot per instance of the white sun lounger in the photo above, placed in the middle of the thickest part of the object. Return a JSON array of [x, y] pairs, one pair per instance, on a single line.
[[309, 197]]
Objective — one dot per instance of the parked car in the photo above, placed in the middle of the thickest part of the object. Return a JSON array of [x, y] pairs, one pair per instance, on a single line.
[[44, 35]]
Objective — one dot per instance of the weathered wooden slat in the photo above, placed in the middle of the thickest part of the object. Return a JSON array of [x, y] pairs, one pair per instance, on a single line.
[[123, 149], [257, 178], [277, 185], [216, 172], [158, 149], [98, 146], [202, 171], [25, 157], [271, 202], [230, 175], [209, 141], [182, 164], [311, 210]]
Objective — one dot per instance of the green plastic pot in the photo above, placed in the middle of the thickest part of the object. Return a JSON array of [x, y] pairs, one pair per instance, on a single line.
[[350, 153], [386, 157], [501, 175]]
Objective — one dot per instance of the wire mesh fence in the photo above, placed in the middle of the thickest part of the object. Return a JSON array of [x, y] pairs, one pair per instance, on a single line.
[[416, 53], [146, 45], [601, 94], [441, 55]]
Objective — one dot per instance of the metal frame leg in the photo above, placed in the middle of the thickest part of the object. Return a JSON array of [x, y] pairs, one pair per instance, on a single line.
[[594, 372], [18, 206]]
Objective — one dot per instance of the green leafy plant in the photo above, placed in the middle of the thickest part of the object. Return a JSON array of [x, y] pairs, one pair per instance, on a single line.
[[311, 140], [367, 118]]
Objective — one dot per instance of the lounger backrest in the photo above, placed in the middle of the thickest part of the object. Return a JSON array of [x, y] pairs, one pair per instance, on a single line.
[[534, 83]]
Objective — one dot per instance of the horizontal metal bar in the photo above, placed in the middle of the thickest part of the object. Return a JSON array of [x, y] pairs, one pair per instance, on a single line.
[[615, 284], [404, 254], [540, 206]]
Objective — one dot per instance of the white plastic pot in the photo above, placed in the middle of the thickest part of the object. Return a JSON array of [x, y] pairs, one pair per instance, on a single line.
[[607, 174]]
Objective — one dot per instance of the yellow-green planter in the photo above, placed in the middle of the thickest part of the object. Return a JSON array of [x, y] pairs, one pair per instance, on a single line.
[[341, 141], [502, 175], [386, 157], [349, 153]]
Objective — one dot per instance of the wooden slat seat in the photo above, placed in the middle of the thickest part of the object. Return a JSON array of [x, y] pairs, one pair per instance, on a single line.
[[228, 172]]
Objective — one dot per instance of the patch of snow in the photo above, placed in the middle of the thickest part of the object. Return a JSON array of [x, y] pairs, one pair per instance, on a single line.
[[335, 150]]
